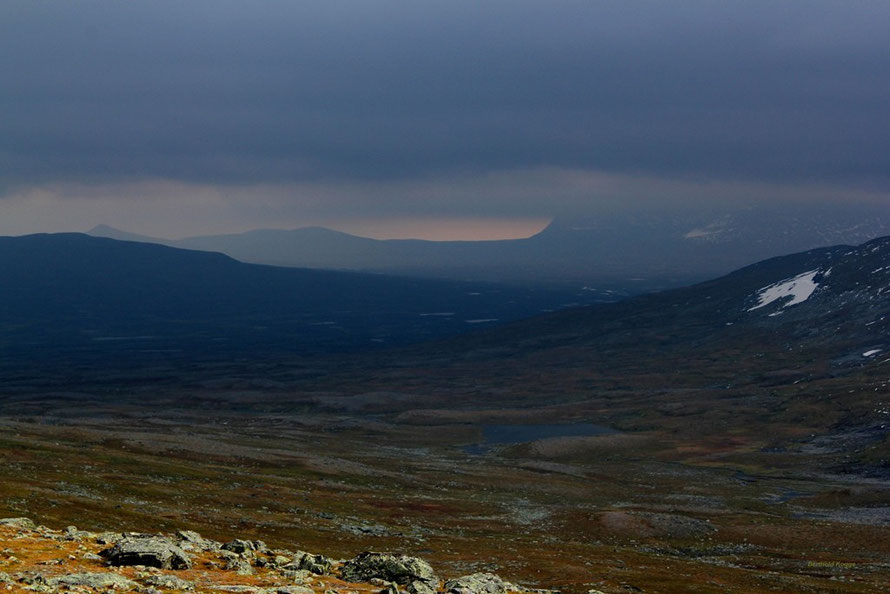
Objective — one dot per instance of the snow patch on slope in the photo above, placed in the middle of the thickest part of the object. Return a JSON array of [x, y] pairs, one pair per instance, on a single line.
[[697, 233], [798, 289], [710, 232]]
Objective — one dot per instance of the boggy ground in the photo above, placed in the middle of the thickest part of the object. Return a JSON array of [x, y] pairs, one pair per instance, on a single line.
[[746, 470]]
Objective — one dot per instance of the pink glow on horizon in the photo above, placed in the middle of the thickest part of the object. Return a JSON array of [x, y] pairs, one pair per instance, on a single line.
[[442, 229]]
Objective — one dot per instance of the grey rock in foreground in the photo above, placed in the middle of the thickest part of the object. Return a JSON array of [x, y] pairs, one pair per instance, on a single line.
[[20, 523], [169, 582], [93, 580], [152, 551], [317, 564], [191, 540], [412, 572], [246, 548], [477, 583], [239, 566]]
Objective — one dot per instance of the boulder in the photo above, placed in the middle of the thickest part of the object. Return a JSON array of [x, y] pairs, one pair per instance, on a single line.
[[239, 566], [20, 523], [94, 580], [317, 564], [169, 582], [72, 533], [189, 540], [242, 547], [477, 583], [297, 576], [152, 551], [108, 538], [420, 587], [412, 572]]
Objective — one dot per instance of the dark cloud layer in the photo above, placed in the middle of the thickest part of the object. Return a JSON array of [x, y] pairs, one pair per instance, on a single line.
[[278, 91]]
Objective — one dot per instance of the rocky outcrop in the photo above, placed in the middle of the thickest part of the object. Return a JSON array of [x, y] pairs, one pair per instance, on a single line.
[[189, 540], [72, 533], [20, 523], [169, 582], [241, 547], [93, 580], [317, 564], [77, 568], [238, 564], [477, 583], [150, 551], [412, 572]]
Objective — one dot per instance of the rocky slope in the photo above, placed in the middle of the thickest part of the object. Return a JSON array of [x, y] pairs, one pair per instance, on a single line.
[[40, 559]]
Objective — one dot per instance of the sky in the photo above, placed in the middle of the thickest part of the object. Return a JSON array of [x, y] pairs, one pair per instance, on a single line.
[[436, 119]]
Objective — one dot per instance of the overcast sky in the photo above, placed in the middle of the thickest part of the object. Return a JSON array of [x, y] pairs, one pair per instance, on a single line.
[[176, 118]]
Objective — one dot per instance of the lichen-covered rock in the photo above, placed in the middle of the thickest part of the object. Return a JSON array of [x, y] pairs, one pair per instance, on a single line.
[[169, 582], [317, 564], [294, 590], [72, 533], [420, 587], [20, 523], [239, 566], [5, 578], [152, 551], [297, 576], [242, 547], [413, 572], [191, 540], [108, 538], [477, 583], [93, 580]]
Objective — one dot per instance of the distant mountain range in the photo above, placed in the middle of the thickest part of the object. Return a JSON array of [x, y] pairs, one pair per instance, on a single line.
[[98, 295], [628, 253]]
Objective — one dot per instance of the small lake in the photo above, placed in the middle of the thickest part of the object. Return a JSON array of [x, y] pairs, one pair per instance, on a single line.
[[493, 435]]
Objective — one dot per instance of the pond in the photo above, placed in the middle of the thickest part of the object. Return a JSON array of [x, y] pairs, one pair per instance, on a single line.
[[494, 435]]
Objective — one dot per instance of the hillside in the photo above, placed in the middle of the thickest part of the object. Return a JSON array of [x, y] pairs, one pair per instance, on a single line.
[[835, 300], [73, 291]]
